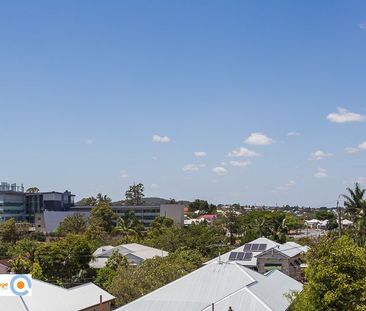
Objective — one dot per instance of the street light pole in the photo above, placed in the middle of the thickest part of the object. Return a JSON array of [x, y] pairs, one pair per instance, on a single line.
[[339, 218]]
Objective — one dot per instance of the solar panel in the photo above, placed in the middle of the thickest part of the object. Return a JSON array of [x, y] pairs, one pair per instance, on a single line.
[[247, 247], [233, 255], [240, 256], [248, 256], [262, 247], [255, 247]]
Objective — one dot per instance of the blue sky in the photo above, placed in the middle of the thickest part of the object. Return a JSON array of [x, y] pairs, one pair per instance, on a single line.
[[85, 86]]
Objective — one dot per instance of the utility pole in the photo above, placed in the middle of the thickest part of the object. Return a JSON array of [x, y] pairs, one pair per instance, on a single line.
[[339, 219]]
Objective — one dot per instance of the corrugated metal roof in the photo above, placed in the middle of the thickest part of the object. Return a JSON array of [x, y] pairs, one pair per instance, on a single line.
[[46, 297], [134, 252], [250, 263], [274, 288], [224, 284]]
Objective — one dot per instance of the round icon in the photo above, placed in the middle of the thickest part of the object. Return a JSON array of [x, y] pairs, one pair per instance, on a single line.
[[20, 285]]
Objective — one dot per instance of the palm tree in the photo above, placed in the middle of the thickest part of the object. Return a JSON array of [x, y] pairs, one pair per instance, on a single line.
[[356, 207], [354, 202], [129, 226]]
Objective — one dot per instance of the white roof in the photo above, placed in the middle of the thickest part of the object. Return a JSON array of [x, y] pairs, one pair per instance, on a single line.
[[289, 249], [253, 262], [135, 254], [224, 284], [46, 297]]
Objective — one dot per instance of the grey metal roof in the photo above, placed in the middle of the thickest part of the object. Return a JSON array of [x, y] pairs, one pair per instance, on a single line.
[[46, 297], [134, 252], [253, 262], [224, 284], [289, 249], [274, 289]]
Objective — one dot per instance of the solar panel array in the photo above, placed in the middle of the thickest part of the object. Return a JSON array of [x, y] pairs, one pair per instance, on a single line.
[[255, 247], [241, 256]]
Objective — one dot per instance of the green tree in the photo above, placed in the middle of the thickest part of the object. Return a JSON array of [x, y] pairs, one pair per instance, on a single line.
[[8, 231], [20, 265], [135, 194], [354, 201], [324, 214], [105, 275], [293, 223], [232, 223], [129, 226], [203, 206], [207, 240], [102, 216], [159, 224], [131, 282], [36, 271], [73, 224], [32, 190], [103, 198], [25, 249], [356, 208], [336, 277], [65, 259]]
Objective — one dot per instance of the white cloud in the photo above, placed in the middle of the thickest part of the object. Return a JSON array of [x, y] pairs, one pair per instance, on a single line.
[[193, 167], [293, 134], [200, 154], [124, 174], [243, 152], [155, 186], [154, 158], [161, 139], [285, 187], [89, 141], [240, 163], [343, 115], [351, 150], [321, 173], [223, 163], [320, 155], [361, 180], [259, 139], [362, 146], [219, 170]]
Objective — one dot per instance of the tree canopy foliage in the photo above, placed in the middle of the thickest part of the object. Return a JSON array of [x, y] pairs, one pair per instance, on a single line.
[[134, 195], [336, 277]]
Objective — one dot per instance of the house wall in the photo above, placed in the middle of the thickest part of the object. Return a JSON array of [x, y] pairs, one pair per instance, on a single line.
[[288, 265]]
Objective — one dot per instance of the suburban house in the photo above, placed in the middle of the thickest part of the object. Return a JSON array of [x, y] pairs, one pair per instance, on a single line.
[[210, 218], [316, 224], [135, 254], [46, 297], [264, 255], [221, 286]]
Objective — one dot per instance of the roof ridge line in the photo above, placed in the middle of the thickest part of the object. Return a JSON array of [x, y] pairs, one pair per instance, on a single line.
[[241, 268], [256, 297], [166, 285]]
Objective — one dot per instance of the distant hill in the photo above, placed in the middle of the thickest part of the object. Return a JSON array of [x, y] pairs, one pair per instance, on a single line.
[[153, 201]]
